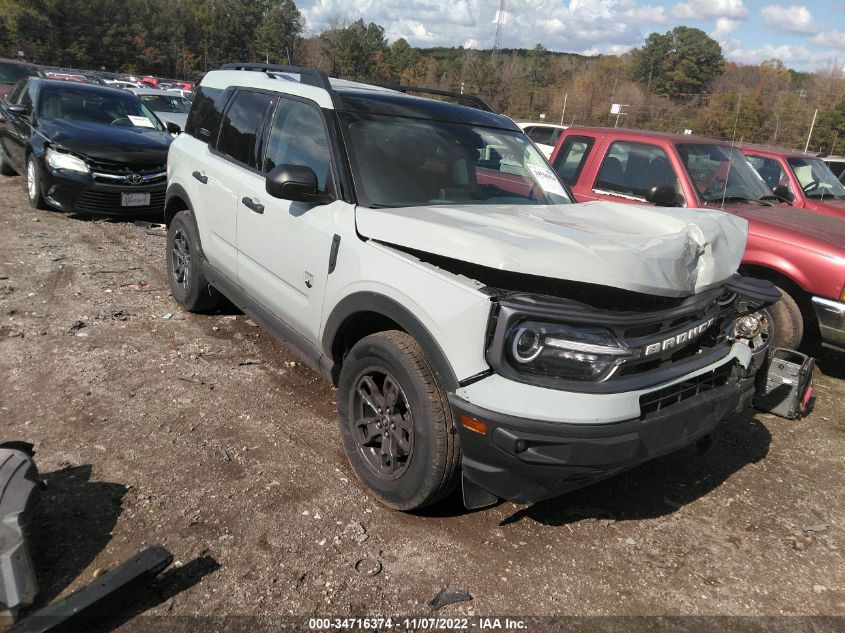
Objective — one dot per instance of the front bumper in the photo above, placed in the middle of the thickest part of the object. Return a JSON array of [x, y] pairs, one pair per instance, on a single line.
[[81, 193], [527, 460], [831, 318]]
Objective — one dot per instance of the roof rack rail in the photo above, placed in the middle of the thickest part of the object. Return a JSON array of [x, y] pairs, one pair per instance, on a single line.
[[309, 76], [472, 100]]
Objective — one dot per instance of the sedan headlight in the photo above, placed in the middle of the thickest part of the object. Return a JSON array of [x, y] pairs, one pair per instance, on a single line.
[[564, 351], [66, 162]]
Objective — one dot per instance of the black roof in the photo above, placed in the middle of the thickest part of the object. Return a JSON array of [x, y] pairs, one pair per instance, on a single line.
[[400, 104], [78, 85]]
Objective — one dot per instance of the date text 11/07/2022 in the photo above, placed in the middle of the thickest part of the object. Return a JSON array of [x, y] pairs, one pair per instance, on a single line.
[[418, 624]]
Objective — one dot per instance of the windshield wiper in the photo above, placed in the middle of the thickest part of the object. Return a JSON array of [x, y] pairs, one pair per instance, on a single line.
[[738, 199]]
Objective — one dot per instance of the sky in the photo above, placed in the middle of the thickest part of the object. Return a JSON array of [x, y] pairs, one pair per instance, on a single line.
[[804, 35]]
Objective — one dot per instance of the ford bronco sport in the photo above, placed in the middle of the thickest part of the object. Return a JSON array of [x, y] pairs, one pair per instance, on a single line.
[[424, 257]]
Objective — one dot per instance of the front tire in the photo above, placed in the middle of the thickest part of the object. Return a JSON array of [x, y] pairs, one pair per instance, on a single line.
[[33, 184], [787, 322], [396, 423], [188, 284]]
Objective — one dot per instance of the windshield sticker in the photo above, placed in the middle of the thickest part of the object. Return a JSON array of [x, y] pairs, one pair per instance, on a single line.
[[547, 180], [140, 121]]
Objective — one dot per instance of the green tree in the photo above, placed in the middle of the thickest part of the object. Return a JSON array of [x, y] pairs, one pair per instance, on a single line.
[[355, 51], [682, 61], [277, 33]]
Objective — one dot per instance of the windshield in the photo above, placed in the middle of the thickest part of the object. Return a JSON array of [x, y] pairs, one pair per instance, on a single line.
[[166, 103], [402, 162], [721, 172], [93, 106], [13, 73], [815, 178]]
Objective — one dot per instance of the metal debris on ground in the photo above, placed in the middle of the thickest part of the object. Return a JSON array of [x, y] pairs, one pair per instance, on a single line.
[[225, 454], [77, 325], [249, 361], [193, 379], [449, 595], [818, 527], [368, 566]]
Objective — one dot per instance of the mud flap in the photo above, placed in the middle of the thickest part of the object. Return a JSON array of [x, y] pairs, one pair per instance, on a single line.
[[475, 496]]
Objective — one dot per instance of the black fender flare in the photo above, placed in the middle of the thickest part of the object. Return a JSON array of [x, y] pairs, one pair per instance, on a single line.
[[175, 191], [373, 302]]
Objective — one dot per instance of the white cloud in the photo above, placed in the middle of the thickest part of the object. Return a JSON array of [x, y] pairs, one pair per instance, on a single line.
[[789, 54], [471, 43], [724, 27], [575, 25], [707, 9], [795, 19], [830, 39]]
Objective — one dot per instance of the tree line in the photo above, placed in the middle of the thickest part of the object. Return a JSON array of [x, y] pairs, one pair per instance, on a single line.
[[676, 81]]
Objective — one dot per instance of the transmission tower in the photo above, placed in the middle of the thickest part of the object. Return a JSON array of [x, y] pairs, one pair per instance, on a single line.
[[500, 22]]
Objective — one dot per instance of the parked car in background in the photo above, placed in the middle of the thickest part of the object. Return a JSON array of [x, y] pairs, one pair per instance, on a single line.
[[169, 107], [84, 148], [12, 71], [803, 180], [836, 164], [544, 135], [125, 85], [188, 95], [801, 251]]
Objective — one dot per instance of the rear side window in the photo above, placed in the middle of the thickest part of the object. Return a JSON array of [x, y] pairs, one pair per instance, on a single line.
[[634, 168], [240, 129], [571, 158], [205, 113]]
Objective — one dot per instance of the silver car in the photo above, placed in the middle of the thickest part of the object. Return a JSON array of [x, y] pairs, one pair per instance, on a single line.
[[168, 106]]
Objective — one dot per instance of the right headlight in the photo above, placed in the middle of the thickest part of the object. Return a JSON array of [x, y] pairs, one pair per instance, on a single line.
[[64, 161], [564, 351]]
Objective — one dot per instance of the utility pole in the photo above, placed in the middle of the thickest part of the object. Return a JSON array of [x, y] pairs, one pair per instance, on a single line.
[[812, 125], [562, 114]]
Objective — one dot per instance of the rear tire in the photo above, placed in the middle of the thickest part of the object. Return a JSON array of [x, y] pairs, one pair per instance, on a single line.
[[188, 284], [396, 423], [787, 322], [5, 167], [33, 184]]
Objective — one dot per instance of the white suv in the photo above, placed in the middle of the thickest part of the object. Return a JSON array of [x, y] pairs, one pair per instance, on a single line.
[[424, 257]]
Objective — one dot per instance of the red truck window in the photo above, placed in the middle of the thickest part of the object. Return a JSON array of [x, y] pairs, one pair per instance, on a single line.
[[770, 171], [632, 169], [571, 157]]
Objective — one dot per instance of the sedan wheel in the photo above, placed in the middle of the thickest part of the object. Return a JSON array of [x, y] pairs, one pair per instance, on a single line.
[[33, 184]]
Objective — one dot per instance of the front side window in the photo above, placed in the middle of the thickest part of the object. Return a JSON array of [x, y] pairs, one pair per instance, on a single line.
[[403, 162], [771, 172], [298, 137], [16, 91], [571, 157], [633, 169], [240, 129], [815, 178], [92, 106], [720, 172], [205, 114]]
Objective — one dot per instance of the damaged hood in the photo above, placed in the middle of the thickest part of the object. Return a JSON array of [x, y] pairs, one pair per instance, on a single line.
[[668, 252]]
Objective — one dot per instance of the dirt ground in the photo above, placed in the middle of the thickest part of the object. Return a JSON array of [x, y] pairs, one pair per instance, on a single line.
[[203, 434]]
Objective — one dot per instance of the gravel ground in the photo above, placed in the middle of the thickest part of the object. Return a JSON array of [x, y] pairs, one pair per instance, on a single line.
[[203, 434]]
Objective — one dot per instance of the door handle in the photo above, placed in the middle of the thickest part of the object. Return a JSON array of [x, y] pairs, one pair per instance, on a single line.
[[252, 206], [201, 177]]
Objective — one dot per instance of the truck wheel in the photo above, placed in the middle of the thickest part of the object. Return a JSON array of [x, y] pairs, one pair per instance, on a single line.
[[33, 184], [787, 322], [5, 167], [396, 423], [188, 284]]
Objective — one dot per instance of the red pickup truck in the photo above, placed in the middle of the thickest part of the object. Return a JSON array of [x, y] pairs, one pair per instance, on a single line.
[[801, 251], [802, 180]]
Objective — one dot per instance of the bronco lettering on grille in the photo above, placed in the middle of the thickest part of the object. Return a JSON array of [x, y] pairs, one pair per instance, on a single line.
[[679, 339]]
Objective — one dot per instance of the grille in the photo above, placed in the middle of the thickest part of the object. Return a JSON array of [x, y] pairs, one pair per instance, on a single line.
[[109, 202], [664, 398]]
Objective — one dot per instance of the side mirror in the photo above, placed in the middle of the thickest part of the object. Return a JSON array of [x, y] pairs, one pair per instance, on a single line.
[[292, 182], [19, 109], [173, 128], [662, 196], [782, 192]]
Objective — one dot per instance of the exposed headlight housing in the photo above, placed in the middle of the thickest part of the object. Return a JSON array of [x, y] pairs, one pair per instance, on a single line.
[[66, 162], [564, 351]]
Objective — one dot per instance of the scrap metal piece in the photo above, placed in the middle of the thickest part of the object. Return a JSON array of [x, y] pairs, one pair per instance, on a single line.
[[114, 585], [449, 595], [19, 483]]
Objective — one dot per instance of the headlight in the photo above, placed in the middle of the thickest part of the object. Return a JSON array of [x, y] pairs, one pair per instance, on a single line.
[[65, 161], [564, 351]]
